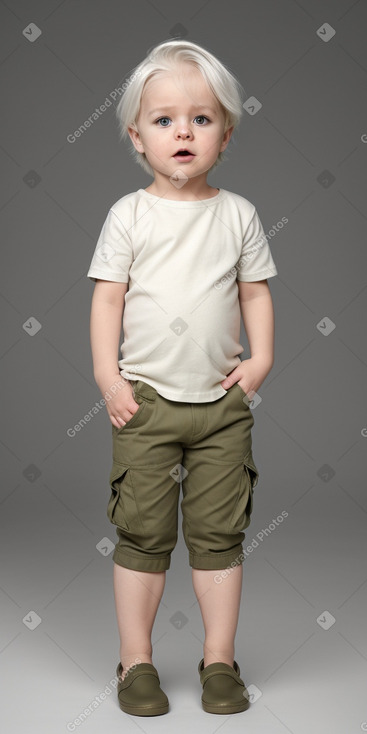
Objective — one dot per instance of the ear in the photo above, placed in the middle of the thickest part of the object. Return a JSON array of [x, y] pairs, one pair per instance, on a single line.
[[135, 138], [226, 138]]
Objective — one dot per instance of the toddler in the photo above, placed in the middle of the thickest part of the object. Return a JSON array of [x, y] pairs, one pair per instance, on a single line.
[[180, 262]]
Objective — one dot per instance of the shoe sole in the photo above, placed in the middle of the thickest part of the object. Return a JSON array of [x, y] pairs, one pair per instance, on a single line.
[[235, 709], [144, 711]]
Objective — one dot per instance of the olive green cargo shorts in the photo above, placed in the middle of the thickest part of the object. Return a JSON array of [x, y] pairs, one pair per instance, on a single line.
[[203, 447]]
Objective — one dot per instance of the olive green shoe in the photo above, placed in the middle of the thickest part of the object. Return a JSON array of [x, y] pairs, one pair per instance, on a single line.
[[140, 692], [224, 692]]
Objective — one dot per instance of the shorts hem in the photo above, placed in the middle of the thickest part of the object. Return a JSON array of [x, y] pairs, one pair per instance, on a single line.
[[140, 563], [216, 561]]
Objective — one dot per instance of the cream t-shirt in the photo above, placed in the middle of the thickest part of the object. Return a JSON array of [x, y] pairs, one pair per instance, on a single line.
[[181, 321]]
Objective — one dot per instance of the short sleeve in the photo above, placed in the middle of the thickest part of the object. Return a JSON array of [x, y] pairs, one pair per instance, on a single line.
[[255, 262], [112, 257]]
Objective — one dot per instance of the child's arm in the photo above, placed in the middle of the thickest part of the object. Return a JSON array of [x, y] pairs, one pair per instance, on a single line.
[[107, 309], [258, 319]]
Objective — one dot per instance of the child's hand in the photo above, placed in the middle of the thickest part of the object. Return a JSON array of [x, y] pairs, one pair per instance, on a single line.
[[250, 374], [120, 404]]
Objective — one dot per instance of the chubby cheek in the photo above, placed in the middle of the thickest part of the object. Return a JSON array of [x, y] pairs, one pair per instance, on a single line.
[[156, 152], [150, 140], [212, 141], [159, 147], [158, 143]]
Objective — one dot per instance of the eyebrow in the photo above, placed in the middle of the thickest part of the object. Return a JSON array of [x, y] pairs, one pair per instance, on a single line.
[[170, 107]]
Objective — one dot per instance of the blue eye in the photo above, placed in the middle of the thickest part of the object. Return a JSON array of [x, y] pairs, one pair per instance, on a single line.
[[202, 117], [163, 118]]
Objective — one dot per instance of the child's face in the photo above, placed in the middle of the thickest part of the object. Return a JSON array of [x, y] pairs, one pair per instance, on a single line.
[[179, 111]]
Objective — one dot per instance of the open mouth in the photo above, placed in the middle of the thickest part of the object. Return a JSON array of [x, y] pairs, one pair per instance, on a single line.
[[183, 153]]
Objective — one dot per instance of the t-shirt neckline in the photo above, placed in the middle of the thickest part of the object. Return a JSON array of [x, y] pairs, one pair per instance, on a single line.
[[183, 203]]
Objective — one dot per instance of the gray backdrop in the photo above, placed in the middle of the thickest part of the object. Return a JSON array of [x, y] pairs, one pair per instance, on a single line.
[[301, 641]]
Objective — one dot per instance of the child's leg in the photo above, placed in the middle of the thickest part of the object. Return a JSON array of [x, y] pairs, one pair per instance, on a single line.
[[219, 604], [137, 597], [216, 507]]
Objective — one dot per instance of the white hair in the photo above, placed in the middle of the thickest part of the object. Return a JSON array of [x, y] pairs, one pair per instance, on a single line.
[[166, 57]]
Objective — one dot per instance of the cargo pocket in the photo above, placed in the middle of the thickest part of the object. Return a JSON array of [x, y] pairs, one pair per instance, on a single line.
[[241, 514], [122, 509], [115, 508]]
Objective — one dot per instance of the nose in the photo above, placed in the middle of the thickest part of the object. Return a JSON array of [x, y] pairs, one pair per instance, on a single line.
[[183, 131]]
